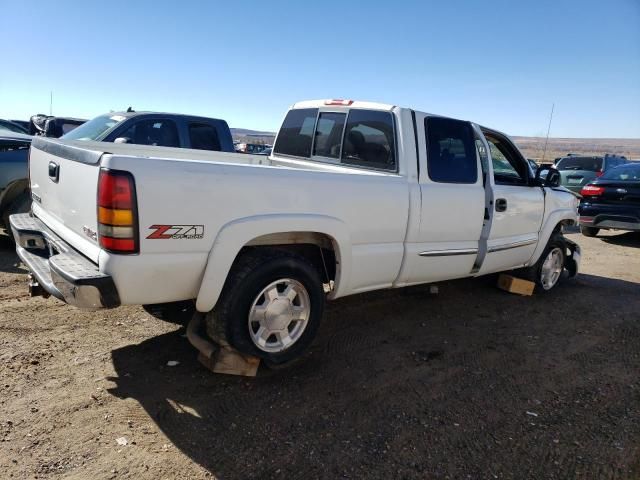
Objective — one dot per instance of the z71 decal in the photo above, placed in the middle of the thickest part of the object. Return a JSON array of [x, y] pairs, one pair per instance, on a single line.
[[176, 232]]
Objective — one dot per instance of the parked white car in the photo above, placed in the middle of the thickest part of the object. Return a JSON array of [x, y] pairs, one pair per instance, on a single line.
[[356, 196]]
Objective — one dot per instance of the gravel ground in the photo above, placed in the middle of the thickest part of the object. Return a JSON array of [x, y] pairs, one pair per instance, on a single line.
[[470, 383]]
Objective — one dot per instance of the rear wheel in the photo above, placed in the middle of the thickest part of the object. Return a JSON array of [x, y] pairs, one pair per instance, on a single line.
[[21, 204], [271, 306], [174, 312], [589, 231]]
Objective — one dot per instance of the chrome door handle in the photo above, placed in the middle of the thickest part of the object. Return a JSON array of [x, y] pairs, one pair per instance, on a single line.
[[501, 204]]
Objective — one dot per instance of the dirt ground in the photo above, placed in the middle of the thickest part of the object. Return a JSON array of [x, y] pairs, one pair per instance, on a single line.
[[470, 383]]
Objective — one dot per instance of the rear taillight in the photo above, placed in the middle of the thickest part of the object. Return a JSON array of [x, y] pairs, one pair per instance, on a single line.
[[591, 191], [117, 212]]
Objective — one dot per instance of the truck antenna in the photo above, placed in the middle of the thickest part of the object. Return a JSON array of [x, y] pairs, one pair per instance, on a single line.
[[51, 102], [544, 153]]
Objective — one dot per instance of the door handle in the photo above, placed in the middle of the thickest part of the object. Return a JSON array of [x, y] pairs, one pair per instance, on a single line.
[[54, 171], [501, 204]]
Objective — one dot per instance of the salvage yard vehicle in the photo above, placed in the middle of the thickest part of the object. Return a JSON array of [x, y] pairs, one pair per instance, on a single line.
[[578, 171], [8, 125], [14, 186], [145, 128], [355, 197], [159, 129], [52, 126], [611, 201]]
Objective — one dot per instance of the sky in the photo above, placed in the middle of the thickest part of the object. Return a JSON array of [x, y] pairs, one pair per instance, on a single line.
[[499, 63]]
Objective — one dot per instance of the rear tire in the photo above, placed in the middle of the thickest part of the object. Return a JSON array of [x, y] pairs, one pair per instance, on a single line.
[[21, 204], [589, 231], [270, 307], [547, 271], [175, 312]]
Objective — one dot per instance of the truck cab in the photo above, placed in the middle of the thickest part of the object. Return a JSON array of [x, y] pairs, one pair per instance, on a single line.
[[475, 205]]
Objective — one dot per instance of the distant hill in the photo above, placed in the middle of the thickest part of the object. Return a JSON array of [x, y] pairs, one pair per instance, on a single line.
[[533, 147], [245, 132]]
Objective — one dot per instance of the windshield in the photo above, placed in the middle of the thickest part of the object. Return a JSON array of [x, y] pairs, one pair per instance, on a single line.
[[593, 164], [12, 127], [624, 172], [94, 129]]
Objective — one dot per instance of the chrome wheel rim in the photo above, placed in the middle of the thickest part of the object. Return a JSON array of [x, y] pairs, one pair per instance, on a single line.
[[279, 315], [552, 268]]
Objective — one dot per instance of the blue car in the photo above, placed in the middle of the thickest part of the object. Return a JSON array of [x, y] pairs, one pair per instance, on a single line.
[[14, 187], [611, 201]]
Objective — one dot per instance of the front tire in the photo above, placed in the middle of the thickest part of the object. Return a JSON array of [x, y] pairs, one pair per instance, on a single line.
[[271, 305], [589, 231], [547, 271]]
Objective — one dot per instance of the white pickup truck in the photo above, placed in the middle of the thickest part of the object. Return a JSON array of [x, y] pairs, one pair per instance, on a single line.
[[356, 196]]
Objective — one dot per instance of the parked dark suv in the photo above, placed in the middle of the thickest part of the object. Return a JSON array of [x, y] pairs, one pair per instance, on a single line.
[[578, 171]]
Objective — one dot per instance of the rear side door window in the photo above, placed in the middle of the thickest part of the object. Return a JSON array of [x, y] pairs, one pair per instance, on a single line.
[[369, 140], [451, 151], [204, 137], [159, 132], [296, 134]]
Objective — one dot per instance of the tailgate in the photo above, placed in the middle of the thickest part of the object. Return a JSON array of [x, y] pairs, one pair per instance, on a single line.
[[64, 184]]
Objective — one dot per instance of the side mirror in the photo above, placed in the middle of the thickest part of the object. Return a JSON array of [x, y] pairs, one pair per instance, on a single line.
[[547, 176], [51, 129], [122, 140], [553, 178]]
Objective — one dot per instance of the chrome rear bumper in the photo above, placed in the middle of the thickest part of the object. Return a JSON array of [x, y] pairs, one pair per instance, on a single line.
[[59, 270]]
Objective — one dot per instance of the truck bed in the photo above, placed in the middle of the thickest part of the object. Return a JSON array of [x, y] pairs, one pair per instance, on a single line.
[[191, 155], [211, 191]]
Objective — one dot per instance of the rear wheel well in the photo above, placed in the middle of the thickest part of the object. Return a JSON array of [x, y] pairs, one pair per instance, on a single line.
[[13, 191]]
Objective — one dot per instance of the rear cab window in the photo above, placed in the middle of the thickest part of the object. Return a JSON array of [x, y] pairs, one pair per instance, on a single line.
[[328, 137], [591, 164], [354, 137], [204, 137], [369, 140], [296, 134]]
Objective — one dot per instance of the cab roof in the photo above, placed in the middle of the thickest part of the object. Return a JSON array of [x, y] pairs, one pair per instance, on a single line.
[[328, 102]]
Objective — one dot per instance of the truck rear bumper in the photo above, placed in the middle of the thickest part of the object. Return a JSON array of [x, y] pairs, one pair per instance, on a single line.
[[58, 269]]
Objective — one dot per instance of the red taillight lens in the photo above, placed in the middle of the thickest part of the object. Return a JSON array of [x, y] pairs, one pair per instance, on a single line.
[[117, 212], [591, 191], [115, 190], [339, 101]]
